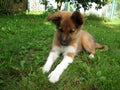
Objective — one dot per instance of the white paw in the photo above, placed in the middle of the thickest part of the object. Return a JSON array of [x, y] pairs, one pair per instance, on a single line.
[[45, 69], [54, 76], [91, 56]]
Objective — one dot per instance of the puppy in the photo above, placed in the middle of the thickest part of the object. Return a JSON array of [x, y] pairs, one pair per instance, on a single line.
[[69, 39]]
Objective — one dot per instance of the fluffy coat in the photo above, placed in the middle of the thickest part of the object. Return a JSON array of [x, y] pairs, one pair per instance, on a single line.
[[69, 39]]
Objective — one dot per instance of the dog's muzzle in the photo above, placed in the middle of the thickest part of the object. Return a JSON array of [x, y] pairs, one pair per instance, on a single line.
[[65, 42]]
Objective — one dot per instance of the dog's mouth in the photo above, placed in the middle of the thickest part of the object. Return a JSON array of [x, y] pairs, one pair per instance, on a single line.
[[65, 42]]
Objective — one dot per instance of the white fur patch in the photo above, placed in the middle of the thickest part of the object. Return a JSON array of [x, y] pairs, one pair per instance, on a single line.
[[91, 56], [56, 48], [55, 75], [69, 49], [51, 59]]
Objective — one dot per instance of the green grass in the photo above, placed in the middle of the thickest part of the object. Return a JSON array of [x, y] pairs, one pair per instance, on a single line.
[[25, 42]]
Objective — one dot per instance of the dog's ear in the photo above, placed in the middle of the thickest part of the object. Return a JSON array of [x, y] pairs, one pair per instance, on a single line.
[[77, 18], [55, 18]]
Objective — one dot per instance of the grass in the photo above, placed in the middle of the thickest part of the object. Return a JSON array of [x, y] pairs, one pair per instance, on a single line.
[[25, 42]]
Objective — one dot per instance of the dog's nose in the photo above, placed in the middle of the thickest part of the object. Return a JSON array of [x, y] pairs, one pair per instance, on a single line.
[[65, 42]]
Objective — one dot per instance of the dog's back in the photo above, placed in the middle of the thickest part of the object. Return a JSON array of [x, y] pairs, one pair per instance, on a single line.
[[88, 42]]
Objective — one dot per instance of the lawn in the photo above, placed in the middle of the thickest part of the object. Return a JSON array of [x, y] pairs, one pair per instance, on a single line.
[[25, 42]]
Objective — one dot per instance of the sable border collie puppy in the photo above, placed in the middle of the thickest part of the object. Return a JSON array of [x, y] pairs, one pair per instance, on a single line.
[[69, 39]]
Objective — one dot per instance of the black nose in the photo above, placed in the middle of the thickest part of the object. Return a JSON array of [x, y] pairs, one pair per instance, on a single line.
[[65, 42]]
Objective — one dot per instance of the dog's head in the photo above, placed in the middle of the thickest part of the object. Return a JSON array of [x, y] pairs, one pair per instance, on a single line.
[[68, 24]]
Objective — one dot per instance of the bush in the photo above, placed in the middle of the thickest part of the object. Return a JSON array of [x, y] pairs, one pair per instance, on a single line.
[[12, 6]]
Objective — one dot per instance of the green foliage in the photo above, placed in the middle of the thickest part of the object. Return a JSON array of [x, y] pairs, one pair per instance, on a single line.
[[4, 4], [86, 5], [25, 42], [62, 0], [17, 1], [8, 7], [45, 2]]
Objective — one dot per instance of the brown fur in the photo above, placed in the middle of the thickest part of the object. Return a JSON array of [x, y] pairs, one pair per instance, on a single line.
[[69, 32]]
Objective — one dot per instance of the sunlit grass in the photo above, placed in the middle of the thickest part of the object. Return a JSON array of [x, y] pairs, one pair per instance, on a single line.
[[34, 12], [115, 21]]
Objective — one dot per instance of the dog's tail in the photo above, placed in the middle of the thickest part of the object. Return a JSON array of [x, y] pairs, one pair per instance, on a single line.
[[99, 46]]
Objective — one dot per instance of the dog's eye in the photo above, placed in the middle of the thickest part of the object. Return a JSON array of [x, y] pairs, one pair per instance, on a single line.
[[72, 31], [61, 30]]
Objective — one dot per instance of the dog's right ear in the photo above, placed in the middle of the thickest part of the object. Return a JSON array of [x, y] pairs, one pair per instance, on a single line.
[[77, 19], [55, 18]]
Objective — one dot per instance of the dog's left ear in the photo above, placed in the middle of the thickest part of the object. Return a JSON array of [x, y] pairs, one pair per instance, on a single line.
[[78, 19], [55, 18]]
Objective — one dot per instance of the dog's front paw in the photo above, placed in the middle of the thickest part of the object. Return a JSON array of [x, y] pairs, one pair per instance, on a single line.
[[91, 56], [54, 76], [45, 69]]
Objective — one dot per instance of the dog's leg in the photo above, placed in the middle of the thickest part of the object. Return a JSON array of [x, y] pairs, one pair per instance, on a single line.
[[91, 56], [68, 58], [51, 59], [54, 75], [91, 51], [89, 46]]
